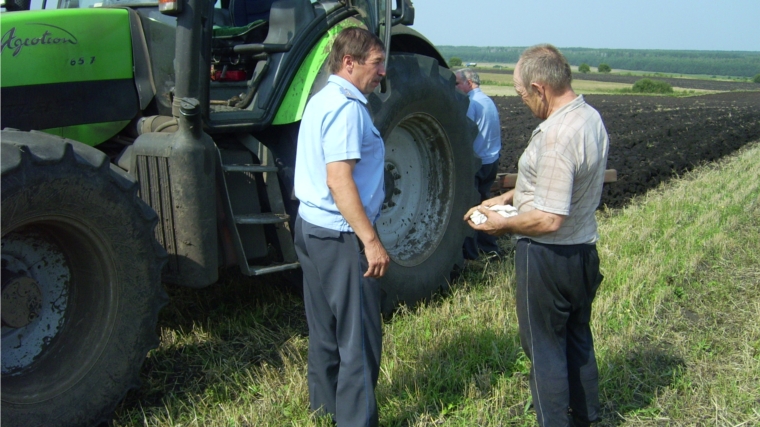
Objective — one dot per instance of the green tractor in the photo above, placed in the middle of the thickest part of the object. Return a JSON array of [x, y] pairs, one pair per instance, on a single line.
[[149, 142]]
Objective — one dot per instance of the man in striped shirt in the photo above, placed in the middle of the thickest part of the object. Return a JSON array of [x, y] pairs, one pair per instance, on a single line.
[[559, 186]]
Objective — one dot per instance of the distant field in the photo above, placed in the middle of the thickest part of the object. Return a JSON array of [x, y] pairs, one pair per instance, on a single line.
[[502, 85], [723, 64], [501, 67], [498, 82], [498, 90]]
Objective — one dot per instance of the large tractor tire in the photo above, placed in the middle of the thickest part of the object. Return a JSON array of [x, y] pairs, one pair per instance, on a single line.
[[81, 288], [429, 177]]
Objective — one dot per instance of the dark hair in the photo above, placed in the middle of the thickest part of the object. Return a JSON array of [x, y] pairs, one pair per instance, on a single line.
[[354, 41], [544, 63]]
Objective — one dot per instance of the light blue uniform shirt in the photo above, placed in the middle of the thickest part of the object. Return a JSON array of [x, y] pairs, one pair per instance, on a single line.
[[336, 126], [475, 113], [486, 147]]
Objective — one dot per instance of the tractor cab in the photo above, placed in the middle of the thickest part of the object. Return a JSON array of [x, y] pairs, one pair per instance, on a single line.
[[256, 48], [266, 55]]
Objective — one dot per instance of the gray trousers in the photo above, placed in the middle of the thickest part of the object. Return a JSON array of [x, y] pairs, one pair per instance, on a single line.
[[556, 285], [345, 324]]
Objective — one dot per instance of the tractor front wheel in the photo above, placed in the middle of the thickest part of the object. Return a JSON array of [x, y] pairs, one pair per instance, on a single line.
[[81, 286]]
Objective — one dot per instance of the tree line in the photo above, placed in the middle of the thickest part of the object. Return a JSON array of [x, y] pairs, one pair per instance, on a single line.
[[718, 63]]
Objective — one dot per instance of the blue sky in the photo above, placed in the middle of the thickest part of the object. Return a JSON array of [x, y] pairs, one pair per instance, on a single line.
[[615, 24]]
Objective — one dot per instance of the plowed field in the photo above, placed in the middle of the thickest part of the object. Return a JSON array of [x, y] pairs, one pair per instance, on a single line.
[[652, 138]]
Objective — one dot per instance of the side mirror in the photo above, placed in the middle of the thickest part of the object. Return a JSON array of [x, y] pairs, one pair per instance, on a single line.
[[403, 13]]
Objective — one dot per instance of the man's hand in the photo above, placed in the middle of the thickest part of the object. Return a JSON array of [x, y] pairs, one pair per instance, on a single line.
[[341, 183], [501, 199], [532, 223], [496, 225], [377, 258]]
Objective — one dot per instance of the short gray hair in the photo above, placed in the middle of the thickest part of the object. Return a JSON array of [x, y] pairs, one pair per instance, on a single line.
[[545, 64], [469, 74]]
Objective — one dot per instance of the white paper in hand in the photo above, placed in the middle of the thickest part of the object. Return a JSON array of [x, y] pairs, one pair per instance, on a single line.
[[504, 210]]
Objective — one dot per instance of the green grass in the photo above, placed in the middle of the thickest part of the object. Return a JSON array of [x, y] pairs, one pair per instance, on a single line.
[[675, 324]]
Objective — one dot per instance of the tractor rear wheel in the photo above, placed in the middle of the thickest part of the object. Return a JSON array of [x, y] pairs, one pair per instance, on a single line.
[[81, 285], [429, 170]]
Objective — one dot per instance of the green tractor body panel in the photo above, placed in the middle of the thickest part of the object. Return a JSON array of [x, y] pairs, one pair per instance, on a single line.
[[298, 93], [65, 46], [62, 72]]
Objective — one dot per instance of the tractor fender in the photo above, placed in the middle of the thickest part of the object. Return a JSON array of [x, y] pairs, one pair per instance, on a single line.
[[407, 40], [313, 73]]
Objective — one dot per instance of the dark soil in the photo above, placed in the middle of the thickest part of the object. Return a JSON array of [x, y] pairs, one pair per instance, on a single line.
[[652, 138]]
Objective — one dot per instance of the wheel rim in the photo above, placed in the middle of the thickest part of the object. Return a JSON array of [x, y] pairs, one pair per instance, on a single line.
[[68, 268], [32, 314], [418, 201]]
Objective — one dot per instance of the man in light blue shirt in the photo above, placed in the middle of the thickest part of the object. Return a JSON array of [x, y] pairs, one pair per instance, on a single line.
[[339, 181], [487, 146]]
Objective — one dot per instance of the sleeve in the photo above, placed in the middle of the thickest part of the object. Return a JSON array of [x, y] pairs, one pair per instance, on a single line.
[[554, 183], [342, 133]]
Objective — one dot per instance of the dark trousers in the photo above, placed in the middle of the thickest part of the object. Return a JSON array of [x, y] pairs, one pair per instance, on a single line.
[[556, 285], [345, 325], [482, 242]]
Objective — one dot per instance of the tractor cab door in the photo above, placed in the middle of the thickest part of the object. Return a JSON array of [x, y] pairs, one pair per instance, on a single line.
[[382, 15], [378, 12]]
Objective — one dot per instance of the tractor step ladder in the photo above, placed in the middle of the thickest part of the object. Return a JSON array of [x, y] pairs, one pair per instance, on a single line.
[[250, 224]]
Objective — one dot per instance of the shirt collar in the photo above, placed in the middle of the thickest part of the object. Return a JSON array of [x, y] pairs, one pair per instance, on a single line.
[[348, 86], [570, 106], [473, 92]]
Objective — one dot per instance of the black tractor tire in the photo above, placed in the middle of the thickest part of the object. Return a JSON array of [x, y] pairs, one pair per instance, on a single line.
[[81, 282], [430, 169]]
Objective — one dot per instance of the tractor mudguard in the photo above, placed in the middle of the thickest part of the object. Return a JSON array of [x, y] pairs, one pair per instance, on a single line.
[[302, 86], [307, 80]]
